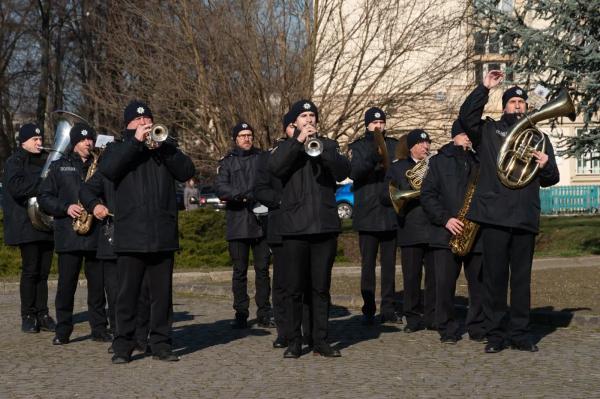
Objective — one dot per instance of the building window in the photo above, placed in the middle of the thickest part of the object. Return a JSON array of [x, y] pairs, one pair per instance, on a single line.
[[482, 68], [588, 163], [491, 43]]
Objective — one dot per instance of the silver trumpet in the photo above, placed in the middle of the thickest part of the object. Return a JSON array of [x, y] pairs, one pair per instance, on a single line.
[[313, 146], [158, 134]]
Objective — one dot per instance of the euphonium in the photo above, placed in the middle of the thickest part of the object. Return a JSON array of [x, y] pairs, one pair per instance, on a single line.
[[517, 165], [158, 134], [83, 223], [415, 177], [66, 120]]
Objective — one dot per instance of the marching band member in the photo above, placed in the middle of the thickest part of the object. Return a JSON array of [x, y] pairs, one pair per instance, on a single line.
[[145, 228], [413, 238], [375, 222], [235, 184], [509, 218], [450, 173], [308, 222], [21, 181], [58, 197]]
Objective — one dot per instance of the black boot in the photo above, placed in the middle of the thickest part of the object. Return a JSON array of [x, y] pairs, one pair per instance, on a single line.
[[30, 324], [326, 350], [46, 322], [280, 342], [240, 322], [294, 350]]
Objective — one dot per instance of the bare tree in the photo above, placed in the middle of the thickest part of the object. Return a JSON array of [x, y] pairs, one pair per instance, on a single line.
[[403, 55]]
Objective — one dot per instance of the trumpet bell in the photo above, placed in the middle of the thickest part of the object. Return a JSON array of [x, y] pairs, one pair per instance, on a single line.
[[400, 198], [313, 147], [159, 133]]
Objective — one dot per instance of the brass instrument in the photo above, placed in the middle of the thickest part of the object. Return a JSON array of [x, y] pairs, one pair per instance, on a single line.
[[83, 223], [462, 243], [517, 165], [158, 134], [415, 177], [313, 146], [381, 148], [66, 120]]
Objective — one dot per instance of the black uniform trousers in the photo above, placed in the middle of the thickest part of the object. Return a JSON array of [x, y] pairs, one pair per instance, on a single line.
[[36, 259], [142, 329], [309, 260], [111, 287], [369, 243], [507, 256], [239, 250], [69, 266], [132, 269], [280, 298], [413, 259], [447, 270]]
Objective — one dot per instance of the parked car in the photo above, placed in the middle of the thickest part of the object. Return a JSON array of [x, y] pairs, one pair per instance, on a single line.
[[344, 197], [209, 199]]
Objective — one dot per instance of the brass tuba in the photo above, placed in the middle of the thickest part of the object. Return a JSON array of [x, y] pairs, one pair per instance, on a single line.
[[66, 120], [415, 177], [516, 164]]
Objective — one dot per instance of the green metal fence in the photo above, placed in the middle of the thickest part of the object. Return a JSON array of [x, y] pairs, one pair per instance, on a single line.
[[570, 199]]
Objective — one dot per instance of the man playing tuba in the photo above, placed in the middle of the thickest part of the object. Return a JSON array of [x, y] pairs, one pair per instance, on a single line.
[[509, 217], [21, 182]]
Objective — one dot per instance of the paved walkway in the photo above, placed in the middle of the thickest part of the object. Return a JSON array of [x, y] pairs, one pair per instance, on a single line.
[[377, 362]]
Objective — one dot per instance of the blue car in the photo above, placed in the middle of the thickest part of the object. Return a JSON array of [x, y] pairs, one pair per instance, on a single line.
[[344, 197]]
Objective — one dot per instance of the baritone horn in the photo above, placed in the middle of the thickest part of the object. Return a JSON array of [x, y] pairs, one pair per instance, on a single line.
[[415, 176], [516, 162], [158, 134]]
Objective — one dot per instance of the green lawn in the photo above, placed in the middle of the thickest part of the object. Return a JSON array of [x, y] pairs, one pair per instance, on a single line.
[[202, 233]]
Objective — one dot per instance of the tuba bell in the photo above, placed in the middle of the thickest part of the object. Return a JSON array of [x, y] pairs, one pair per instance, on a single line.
[[517, 165], [66, 120]]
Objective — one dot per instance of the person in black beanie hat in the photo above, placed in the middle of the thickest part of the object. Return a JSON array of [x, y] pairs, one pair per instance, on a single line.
[[59, 197], [21, 181], [509, 217], [308, 223], [145, 229], [235, 184], [451, 171], [374, 221], [413, 238]]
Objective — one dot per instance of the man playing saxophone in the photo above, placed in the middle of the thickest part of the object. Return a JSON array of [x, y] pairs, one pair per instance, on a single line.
[[452, 172], [58, 197], [413, 237], [509, 217]]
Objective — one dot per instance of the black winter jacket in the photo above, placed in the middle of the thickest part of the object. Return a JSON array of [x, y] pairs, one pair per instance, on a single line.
[[413, 224], [308, 186], [145, 203], [267, 191], [60, 190], [368, 176], [443, 191], [21, 181], [99, 190], [493, 202], [235, 184]]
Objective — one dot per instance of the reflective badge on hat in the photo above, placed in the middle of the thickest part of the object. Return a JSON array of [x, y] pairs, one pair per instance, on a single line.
[[244, 126], [84, 132], [140, 110], [37, 130], [519, 92], [377, 115], [306, 106], [423, 135]]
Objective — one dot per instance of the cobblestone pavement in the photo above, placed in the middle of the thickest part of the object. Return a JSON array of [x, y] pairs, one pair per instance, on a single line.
[[377, 362]]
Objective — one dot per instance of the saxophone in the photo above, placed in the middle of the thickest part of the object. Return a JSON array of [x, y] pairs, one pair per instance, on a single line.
[[462, 243], [83, 223]]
